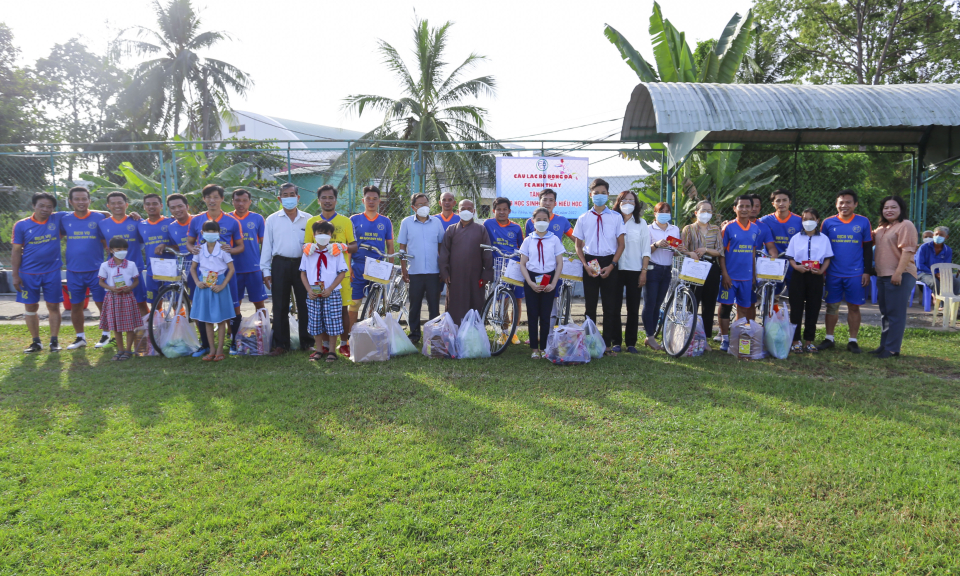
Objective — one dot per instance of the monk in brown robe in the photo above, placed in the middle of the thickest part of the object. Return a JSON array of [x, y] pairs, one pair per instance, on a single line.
[[464, 266]]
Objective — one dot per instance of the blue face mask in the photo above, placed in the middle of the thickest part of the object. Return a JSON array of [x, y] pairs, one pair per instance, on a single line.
[[290, 203], [939, 239], [663, 218], [211, 236], [599, 200]]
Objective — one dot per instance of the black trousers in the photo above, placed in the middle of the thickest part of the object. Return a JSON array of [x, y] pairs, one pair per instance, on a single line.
[[806, 299], [629, 280], [420, 285], [286, 277], [707, 296], [605, 290], [539, 307]]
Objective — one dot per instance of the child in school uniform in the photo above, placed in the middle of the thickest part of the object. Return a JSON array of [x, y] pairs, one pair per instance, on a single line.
[[119, 276], [322, 273], [212, 302], [541, 261]]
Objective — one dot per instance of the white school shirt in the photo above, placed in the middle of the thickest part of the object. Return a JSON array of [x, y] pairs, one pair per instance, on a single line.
[[328, 272], [662, 256], [215, 261], [552, 247], [109, 271], [599, 240], [803, 247], [636, 245]]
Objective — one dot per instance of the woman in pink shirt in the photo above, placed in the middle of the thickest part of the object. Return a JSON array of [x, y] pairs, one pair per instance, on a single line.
[[895, 242]]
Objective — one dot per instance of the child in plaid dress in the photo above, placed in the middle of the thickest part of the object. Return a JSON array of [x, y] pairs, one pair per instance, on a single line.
[[322, 273], [119, 276]]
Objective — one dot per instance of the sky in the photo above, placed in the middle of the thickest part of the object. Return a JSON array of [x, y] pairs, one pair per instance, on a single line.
[[553, 66]]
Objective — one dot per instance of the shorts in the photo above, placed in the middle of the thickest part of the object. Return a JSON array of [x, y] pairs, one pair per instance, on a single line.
[[740, 293], [232, 284], [325, 315], [152, 287], [252, 284], [849, 290], [78, 282], [32, 284], [140, 290], [358, 288], [518, 292]]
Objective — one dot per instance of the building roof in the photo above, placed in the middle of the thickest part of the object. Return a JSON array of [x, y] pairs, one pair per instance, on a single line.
[[261, 127]]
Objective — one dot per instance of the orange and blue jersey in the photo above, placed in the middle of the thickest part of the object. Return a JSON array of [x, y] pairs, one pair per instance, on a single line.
[[252, 226], [783, 230], [739, 249], [84, 241], [766, 234], [447, 222], [229, 229], [126, 229], [177, 234], [846, 239], [375, 232], [507, 237], [154, 233], [41, 244], [559, 225]]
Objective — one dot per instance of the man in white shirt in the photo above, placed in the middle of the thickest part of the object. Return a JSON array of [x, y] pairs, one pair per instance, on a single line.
[[280, 262], [599, 239]]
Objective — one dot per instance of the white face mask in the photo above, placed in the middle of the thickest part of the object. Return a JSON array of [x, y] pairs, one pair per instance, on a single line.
[[927, 240], [323, 239], [423, 211], [627, 209], [466, 215], [809, 225], [541, 225], [704, 217], [121, 254], [211, 236]]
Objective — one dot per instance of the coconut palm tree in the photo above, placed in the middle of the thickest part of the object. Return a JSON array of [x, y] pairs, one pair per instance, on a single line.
[[180, 81], [431, 108]]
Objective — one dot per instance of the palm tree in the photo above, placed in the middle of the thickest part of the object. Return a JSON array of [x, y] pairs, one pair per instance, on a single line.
[[179, 81], [430, 109]]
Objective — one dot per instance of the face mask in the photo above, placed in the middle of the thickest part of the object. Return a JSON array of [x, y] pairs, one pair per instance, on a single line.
[[466, 215], [541, 225], [663, 218], [627, 209], [809, 225], [121, 254], [211, 236], [599, 199], [323, 239], [704, 217], [938, 239], [423, 211], [290, 203]]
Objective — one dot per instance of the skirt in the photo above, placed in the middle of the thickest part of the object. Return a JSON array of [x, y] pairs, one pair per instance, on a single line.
[[210, 306], [120, 313]]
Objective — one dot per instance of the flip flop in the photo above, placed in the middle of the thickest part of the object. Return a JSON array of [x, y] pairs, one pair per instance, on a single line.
[[218, 357], [208, 357]]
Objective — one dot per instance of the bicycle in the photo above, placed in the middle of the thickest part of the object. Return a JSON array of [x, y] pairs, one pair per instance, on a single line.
[[391, 296], [560, 313], [173, 299], [767, 290], [500, 310], [678, 313]]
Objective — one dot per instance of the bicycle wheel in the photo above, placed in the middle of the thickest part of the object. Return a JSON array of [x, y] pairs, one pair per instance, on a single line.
[[500, 318], [680, 322], [766, 301], [564, 305], [399, 295], [372, 302], [164, 309]]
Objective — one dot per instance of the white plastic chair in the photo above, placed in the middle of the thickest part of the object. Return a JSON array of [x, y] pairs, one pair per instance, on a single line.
[[951, 302]]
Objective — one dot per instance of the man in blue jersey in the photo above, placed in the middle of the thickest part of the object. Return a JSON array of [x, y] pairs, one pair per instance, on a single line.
[[36, 267], [247, 265], [84, 255], [739, 242], [231, 240], [559, 225], [119, 224], [784, 225], [506, 236], [154, 231], [766, 234], [179, 227], [849, 272], [374, 229], [447, 216]]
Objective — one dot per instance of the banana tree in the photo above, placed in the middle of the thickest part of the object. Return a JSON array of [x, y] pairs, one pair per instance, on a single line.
[[136, 185]]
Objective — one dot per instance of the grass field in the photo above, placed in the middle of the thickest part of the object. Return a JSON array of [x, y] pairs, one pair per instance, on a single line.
[[832, 464]]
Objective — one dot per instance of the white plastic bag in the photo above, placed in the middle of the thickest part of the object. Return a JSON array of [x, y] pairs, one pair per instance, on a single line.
[[566, 346], [294, 333], [369, 340], [746, 339], [141, 345], [182, 339], [472, 339], [254, 336], [698, 344], [398, 341], [778, 333], [440, 337], [593, 339]]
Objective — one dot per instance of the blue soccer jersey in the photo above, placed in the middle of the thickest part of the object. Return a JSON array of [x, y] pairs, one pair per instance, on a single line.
[[507, 238], [229, 229], [154, 233], [783, 231], [374, 232], [252, 226], [846, 239], [766, 234], [558, 225], [126, 229], [739, 249], [84, 241], [41, 244], [454, 218], [177, 234]]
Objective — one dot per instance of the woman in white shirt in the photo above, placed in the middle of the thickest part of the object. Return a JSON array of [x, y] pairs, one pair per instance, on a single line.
[[541, 261], [659, 272], [633, 266], [809, 253]]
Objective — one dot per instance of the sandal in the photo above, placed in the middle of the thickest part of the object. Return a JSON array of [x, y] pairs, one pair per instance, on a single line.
[[315, 356], [812, 348], [117, 356], [331, 357], [209, 357], [797, 349], [126, 355], [218, 357]]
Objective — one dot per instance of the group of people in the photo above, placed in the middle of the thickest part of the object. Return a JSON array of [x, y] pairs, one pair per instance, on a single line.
[[319, 261]]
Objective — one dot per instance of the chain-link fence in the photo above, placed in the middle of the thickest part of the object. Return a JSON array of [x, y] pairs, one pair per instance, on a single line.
[[943, 204]]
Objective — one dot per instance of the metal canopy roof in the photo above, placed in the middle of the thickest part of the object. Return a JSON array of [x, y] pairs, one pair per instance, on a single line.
[[682, 114]]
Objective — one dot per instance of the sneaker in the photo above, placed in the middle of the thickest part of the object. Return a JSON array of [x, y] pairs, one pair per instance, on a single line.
[[826, 345], [201, 352], [77, 344], [515, 340], [616, 349], [876, 352], [536, 355], [344, 350], [632, 350], [724, 345], [55, 346], [717, 338], [853, 347], [104, 341], [234, 351], [34, 347]]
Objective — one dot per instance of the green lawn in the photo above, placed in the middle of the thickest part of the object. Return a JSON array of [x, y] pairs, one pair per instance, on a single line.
[[832, 464]]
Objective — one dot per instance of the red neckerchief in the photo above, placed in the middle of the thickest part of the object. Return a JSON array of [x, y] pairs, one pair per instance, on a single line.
[[599, 227], [540, 250], [321, 260]]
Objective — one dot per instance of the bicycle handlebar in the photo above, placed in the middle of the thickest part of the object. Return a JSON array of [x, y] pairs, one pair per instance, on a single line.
[[402, 254], [489, 248]]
